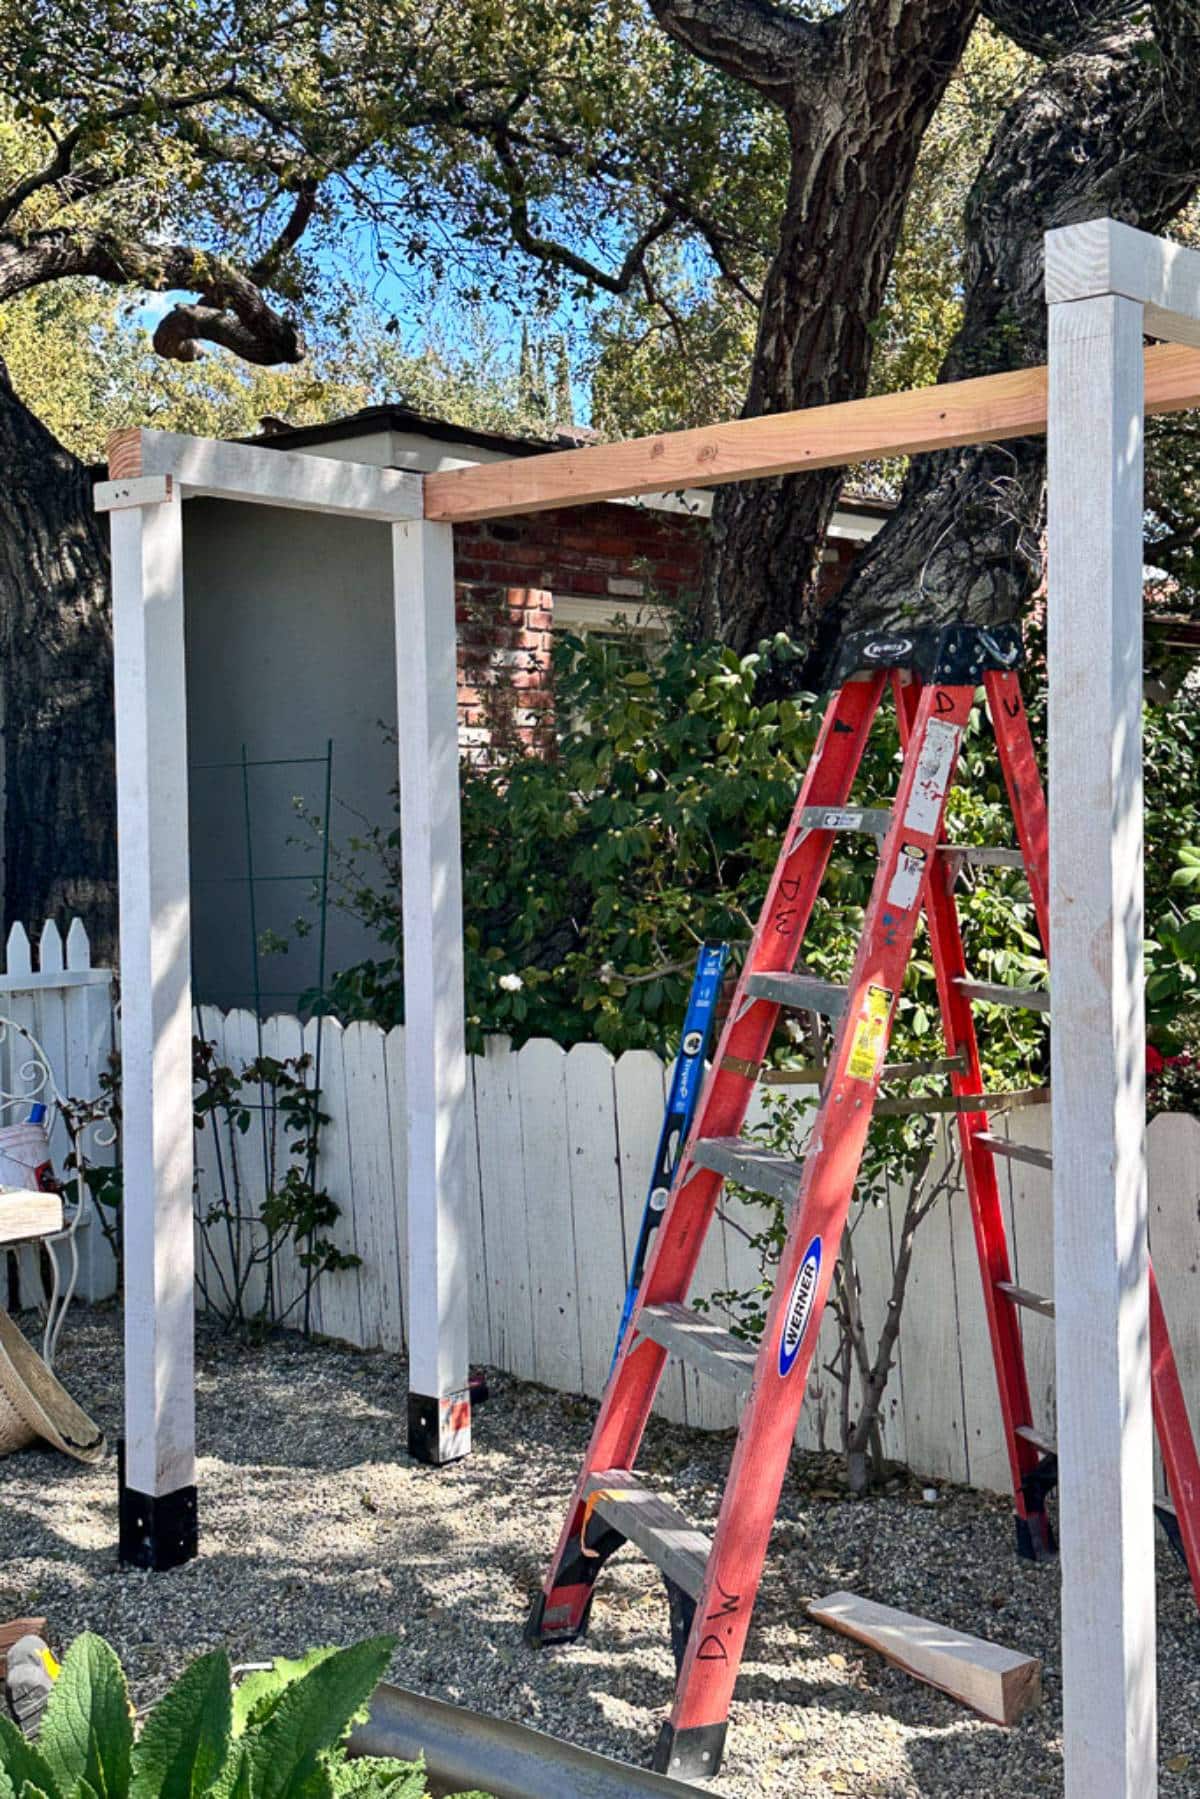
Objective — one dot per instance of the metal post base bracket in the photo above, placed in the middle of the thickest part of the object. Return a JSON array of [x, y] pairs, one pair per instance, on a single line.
[[690, 1754], [439, 1430], [155, 1531]]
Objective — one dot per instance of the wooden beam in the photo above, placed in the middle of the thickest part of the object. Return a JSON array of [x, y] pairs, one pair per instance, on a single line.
[[988, 409], [205, 469], [1001, 1683], [1097, 1049]]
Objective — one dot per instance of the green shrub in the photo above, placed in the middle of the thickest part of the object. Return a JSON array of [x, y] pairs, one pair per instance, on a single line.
[[591, 876], [280, 1735]]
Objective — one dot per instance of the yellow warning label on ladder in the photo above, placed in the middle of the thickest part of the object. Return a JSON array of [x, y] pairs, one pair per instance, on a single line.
[[868, 1042]]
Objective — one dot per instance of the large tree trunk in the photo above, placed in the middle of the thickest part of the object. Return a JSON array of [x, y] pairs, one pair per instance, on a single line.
[[59, 833], [1104, 130], [858, 97]]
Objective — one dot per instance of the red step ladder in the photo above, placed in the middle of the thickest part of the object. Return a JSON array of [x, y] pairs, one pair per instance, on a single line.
[[934, 674]]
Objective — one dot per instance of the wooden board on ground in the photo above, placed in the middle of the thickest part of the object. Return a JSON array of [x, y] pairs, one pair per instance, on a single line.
[[13, 1631], [25, 1214], [1001, 1683]]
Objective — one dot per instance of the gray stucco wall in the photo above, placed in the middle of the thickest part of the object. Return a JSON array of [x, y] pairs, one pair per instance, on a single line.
[[289, 644]]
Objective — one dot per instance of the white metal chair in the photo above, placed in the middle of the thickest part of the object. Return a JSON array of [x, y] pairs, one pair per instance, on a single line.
[[39, 1219]]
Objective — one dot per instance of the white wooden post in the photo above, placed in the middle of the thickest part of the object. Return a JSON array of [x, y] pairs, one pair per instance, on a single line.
[[439, 1410], [1105, 1443], [158, 1494]]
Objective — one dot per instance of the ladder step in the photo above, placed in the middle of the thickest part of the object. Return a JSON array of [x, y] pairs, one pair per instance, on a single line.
[[1038, 1438], [983, 855], [701, 1343], [762, 1170], [991, 993], [1021, 1296], [1016, 1152], [654, 1524], [874, 820], [963, 1102], [813, 1075], [801, 992]]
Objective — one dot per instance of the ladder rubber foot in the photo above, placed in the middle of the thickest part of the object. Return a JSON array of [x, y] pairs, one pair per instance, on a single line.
[[539, 1637], [1035, 1538], [690, 1754]]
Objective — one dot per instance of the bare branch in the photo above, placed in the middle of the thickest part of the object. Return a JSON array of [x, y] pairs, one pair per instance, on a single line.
[[550, 250], [297, 222], [57, 167]]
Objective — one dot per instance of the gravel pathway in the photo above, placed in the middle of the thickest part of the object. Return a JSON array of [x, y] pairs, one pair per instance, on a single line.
[[315, 1529]]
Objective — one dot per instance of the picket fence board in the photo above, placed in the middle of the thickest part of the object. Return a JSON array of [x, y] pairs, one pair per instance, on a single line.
[[1173, 1179], [553, 1210], [595, 1173], [506, 1233]]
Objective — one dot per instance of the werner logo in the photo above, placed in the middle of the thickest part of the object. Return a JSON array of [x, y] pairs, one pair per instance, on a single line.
[[887, 649], [800, 1305]]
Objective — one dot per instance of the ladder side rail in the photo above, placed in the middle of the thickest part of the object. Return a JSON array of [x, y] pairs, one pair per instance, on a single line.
[[1034, 1535], [717, 1638], [1026, 794], [1171, 1420], [561, 1613]]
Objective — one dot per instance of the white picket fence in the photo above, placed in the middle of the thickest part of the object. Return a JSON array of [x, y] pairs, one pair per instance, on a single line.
[[560, 1146], [67, 1005]]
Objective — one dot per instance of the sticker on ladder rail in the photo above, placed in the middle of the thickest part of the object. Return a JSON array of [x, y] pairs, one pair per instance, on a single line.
[[799, 1308], [869, 1041], [906, 881], [935, 770]]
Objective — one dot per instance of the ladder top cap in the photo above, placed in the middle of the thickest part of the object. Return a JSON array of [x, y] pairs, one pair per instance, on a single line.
[[953, 655]]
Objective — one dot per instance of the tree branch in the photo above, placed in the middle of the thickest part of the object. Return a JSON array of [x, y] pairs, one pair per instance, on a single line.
[[549, 250], [775, 52], [230, 309], [1049, 29], [304, 207], [1177, 33], [59, 165]]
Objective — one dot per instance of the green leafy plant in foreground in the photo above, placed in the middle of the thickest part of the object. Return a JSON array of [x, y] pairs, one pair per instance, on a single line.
[[280, 1734]]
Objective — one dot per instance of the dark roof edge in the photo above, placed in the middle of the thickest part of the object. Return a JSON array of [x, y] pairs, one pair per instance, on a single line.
[[402, 418]]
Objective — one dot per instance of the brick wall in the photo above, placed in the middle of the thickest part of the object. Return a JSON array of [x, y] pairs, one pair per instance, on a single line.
[[508, 572]]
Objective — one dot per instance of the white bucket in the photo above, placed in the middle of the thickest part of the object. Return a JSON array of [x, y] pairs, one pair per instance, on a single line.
[[25, 1158]]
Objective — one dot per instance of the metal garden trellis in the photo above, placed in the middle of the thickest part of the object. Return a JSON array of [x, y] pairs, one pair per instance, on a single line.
[[1107, 285]]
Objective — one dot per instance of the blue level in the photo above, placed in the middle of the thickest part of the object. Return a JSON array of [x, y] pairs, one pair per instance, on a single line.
[[684, 1091]]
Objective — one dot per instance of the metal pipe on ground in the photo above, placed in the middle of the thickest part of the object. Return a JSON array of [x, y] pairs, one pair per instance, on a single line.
[[464, 1749]]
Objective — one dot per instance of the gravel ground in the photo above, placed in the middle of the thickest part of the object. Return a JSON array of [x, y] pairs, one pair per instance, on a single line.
[[317, 1528]]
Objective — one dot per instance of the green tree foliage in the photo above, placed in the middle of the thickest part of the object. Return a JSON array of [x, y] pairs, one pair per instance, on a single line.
[[677, 350]]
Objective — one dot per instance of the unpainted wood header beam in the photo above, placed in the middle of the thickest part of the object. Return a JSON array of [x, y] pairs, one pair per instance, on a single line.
[[988, 409]]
